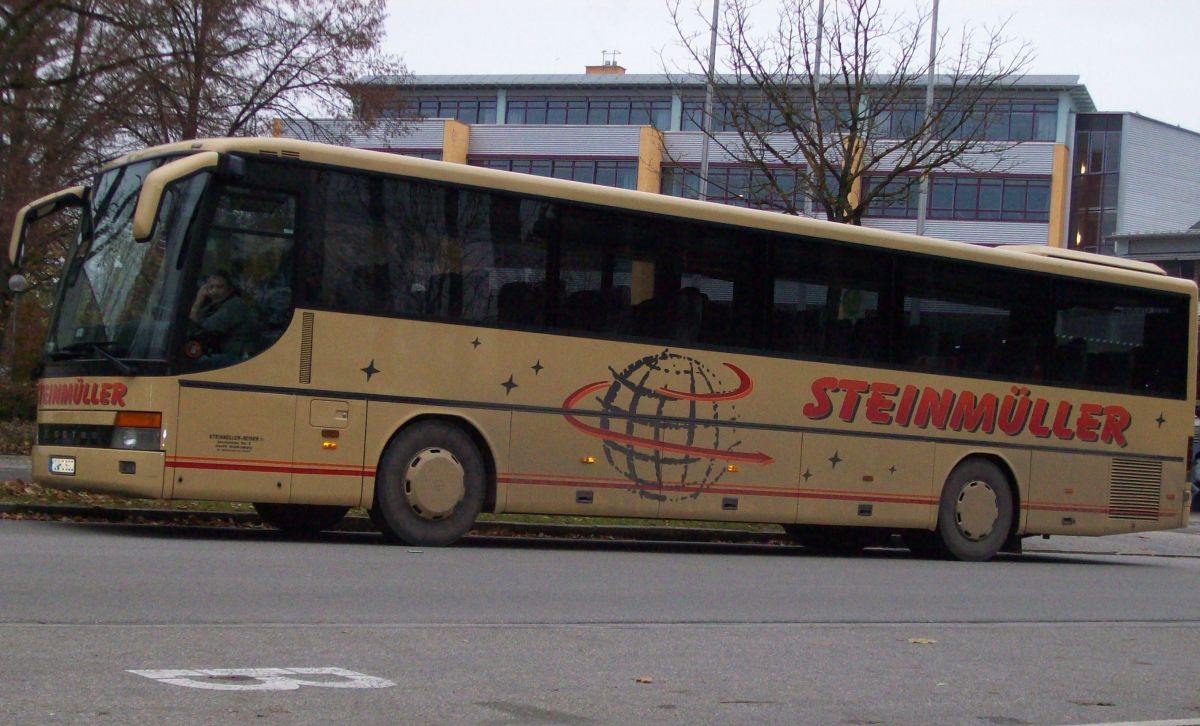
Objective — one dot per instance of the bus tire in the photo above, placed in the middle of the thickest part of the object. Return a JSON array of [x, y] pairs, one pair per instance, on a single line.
[[300, 519], [976, 511], [431, 485]]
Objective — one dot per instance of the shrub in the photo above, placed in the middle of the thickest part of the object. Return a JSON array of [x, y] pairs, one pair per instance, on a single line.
[[18, 401]]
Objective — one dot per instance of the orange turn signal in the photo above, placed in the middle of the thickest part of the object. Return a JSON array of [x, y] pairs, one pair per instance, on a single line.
[[138, 420]]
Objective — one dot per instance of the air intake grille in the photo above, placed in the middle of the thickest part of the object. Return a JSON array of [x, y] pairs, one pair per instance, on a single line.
[[306, 342], [1135, 490]]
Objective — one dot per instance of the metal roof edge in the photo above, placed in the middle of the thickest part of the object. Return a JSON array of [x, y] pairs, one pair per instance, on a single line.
[[1088, 257]]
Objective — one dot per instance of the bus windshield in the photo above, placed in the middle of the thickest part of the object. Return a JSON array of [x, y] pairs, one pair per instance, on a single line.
[[119, 296]]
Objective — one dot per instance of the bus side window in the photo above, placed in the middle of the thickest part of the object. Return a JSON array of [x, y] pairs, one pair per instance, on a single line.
[[598, 286]]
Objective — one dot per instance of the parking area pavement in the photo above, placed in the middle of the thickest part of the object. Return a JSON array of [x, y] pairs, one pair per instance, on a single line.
[[1173, 543]]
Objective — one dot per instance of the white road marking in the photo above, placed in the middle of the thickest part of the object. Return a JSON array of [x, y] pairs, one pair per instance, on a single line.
[[263, 679]]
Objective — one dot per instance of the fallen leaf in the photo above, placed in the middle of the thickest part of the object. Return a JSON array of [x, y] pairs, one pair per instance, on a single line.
[[922, 641], [643, 679]]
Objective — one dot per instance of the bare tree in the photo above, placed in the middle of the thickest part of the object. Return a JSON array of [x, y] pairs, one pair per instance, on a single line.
[[61, 91], [833, 106], [83, 80], [230, 67]]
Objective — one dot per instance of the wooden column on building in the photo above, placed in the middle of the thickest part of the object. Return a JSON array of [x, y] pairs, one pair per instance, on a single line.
[[650, 156], [1060, 176], [456, 140]]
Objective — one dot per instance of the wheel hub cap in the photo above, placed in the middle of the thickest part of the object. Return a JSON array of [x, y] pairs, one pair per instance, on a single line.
[[434, 483], [976, 510]]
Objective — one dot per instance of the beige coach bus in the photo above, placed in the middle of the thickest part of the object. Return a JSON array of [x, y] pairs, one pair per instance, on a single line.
[[312, 328]]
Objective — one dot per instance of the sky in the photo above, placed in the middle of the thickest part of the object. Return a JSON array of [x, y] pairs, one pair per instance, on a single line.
[[1133, 55]]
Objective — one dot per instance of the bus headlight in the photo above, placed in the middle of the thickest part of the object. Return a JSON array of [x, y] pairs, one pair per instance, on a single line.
[[138, 430]]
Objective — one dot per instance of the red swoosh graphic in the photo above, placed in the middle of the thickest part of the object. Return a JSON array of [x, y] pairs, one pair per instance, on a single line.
[[756, 457], [745, 386]]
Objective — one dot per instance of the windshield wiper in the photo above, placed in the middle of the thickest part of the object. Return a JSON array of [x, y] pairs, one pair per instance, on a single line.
[[97, 346]]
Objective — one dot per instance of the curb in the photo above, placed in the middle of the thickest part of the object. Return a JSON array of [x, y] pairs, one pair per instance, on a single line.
[[500, 528], [363, 524]]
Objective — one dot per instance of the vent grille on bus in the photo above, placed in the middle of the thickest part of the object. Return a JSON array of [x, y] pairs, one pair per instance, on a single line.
[[306, 341], [1135, 491]]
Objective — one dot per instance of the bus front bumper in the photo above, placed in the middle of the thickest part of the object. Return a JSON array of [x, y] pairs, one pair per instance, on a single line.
[[102, 471]]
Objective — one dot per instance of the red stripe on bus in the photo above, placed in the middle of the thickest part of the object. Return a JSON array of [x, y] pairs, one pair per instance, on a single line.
[[534, 480], [274, 468]]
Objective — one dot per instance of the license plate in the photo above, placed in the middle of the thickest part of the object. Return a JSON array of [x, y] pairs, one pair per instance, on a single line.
[[62, 465]]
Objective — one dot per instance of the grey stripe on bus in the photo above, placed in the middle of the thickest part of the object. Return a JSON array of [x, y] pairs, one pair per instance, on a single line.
[[557, 411]]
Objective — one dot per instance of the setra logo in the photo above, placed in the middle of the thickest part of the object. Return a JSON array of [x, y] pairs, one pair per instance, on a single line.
[[82, 393]]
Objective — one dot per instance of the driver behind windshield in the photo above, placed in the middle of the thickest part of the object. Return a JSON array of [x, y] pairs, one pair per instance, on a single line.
[[227, 326]]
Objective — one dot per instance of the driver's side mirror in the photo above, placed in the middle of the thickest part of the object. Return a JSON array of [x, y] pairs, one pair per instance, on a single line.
[[35, 210]]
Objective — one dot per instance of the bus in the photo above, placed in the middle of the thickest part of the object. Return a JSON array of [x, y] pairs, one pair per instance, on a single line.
[[311, 328]]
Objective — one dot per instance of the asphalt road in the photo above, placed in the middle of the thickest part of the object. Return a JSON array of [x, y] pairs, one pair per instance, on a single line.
[[543, 632]]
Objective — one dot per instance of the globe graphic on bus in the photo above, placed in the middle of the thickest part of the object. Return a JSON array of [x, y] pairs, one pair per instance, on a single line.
[[667, 423]]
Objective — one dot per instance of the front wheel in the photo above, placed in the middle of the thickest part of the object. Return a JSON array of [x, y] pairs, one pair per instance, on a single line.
[[976, 511], [300, 519], [430, 485]]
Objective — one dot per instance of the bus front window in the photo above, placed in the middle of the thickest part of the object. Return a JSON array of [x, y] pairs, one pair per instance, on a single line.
[[119, 296]]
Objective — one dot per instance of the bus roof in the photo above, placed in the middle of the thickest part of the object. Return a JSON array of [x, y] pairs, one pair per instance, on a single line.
[[1088, 257], [1031, 257]]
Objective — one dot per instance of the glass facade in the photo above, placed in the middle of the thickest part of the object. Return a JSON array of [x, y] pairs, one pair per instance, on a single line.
[[589, 110], [738, 186], [621, 173], [758, 114], [995, 198], [898, 199], [468, 109], [1095, 174], [956, 197], [998, 121]]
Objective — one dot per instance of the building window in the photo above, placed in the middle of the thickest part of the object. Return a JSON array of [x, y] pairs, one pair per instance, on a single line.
[[621, 173], [898, 199], [1007, 121], [729, 115], [616, 111], [990, 198], [1096, 174], [738, 186], [899, 121], [468, 109], [999, 121]]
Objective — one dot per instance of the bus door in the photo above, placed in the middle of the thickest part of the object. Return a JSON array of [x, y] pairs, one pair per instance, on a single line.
[[236, 427], [233, 445]]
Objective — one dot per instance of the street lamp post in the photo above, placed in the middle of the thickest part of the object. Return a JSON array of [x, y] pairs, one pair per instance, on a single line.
[[17, 284], [923, 194]]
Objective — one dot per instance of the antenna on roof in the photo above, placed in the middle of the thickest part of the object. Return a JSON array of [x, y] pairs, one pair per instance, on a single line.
[[609, 57]]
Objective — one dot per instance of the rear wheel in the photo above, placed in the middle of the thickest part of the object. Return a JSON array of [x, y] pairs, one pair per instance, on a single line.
[[976, 511], [300, 519], [431, 484]]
